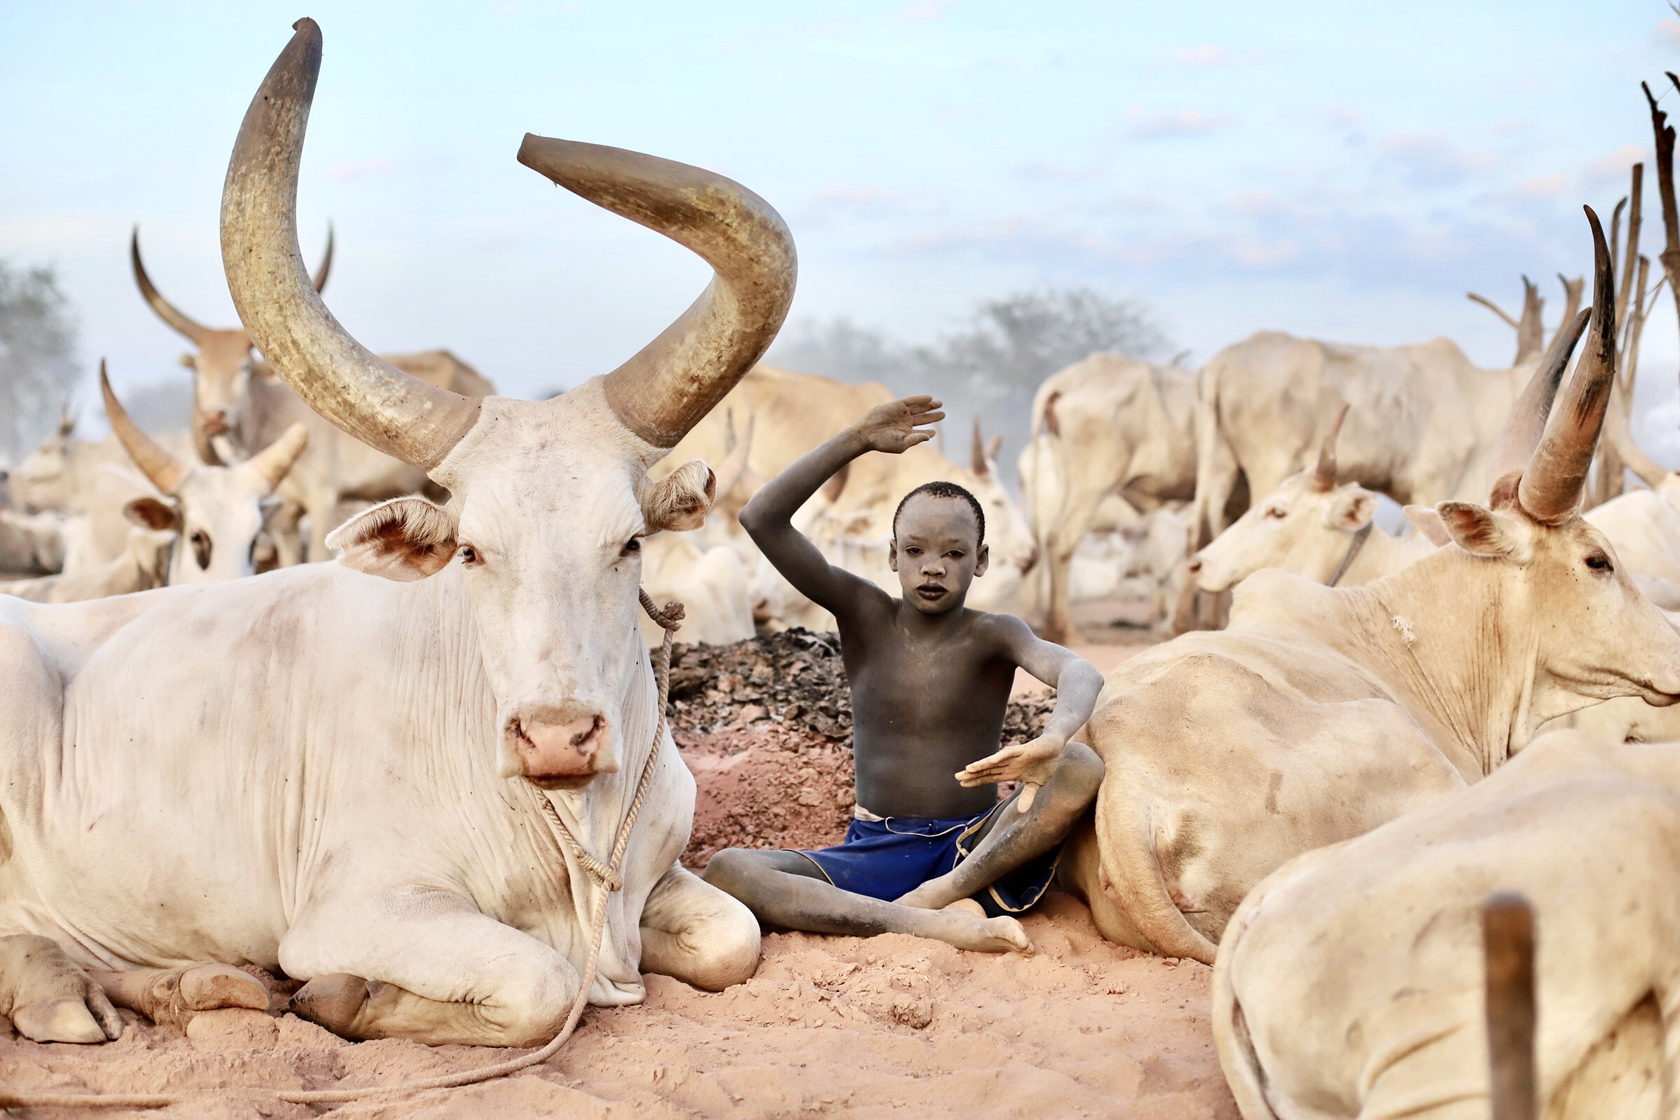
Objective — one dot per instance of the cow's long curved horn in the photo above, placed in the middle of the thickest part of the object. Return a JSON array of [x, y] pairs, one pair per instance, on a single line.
[[273, 461], [664, 389], [168, 312], [1324, 472], [1550, 490], [341, 379], [1522, 431], [166, 472], [977, 451]]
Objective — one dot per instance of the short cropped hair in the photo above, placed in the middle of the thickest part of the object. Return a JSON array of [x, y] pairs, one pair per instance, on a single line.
[[941, 489]]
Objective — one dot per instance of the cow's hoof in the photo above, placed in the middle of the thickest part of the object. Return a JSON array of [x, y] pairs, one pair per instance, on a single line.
[[68, 1020], [333, 1001], [211, 987]]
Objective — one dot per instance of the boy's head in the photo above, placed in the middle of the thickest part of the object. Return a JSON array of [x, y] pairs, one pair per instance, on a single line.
[[938, 545]]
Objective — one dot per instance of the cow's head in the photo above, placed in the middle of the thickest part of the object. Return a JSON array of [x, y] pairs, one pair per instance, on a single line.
[[551, 499], [216, 513], [1534, 567], [46, 477], [223, 363], [1307, 525]]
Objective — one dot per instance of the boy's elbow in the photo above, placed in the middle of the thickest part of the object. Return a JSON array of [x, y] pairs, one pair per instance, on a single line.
[[750, 517]]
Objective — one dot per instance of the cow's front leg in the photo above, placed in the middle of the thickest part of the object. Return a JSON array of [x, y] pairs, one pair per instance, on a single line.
[[174, 995], [425, 965], [698, 934], [48, 997]]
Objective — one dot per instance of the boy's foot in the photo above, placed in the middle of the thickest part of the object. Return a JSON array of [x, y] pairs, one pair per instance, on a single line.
[[982, 935], [929, 896]]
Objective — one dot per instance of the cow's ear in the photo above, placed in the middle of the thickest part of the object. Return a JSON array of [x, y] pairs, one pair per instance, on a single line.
[[1482, 532], [1351, 509], [681, 499], [403, 539], [151, 513], [1426, 521]]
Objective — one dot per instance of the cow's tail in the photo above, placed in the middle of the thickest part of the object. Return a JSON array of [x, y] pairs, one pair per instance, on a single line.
[[1134, 872], [1230, 1032]]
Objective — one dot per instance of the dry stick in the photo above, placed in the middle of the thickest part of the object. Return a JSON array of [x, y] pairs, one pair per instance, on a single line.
[[1664, 134], [1493, 307], [1635, 194], [606, 880], [1571, 296], [1508, 941]]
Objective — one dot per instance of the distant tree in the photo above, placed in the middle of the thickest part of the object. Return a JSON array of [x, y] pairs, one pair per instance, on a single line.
[[37, 356], [841, 349]]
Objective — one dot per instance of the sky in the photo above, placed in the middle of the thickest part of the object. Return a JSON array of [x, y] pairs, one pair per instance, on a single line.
[[1343, 171]]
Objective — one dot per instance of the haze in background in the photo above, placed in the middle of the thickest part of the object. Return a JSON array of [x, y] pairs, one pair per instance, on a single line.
[[1335, 170]]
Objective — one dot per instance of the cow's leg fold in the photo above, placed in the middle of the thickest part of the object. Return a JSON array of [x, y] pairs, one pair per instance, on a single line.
[[48, 997], [425, 966], [174, 995], [698, 934]]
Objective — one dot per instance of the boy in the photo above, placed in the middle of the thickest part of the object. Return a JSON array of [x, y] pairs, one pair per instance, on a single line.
[[930, 680]]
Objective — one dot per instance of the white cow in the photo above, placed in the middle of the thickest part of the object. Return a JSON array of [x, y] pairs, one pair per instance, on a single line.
[[31, 542], [383, 811], [141, 567], [1351, 981], [1102, 427], [1321, 712], [218, 513]]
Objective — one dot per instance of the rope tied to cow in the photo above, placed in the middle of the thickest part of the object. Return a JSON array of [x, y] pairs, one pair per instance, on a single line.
[[604, 875]]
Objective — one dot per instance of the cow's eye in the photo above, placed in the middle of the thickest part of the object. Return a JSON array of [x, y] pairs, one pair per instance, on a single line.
[[201, 548], [468, 555], [1599, 562], [1277, 512], [632, 546]]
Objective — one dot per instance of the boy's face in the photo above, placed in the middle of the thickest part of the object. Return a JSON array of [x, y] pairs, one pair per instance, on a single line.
[[936, 552]]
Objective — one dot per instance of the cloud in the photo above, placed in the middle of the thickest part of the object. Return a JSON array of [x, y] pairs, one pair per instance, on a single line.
[[1543, 187], [1667, 32], [1206, 54], [1056, 173], [886, 52], [925, 10], [1429, 159], [1252, 204], [1616, 167], [1172, 124]]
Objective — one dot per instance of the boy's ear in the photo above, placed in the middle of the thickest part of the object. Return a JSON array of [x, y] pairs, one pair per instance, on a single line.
[[892, 554], [984, 559], [403, 539]]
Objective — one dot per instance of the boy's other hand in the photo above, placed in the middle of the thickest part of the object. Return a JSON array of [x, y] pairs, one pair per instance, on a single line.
[[898, 426], [1031, 764]]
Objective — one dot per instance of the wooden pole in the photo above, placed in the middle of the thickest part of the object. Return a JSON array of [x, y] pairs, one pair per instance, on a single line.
[[1508, 940]]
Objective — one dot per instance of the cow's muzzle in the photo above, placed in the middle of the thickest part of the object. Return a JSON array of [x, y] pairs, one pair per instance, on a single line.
[[563, 751]]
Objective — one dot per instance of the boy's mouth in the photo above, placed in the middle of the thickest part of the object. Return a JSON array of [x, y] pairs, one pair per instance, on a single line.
[[930, 591]]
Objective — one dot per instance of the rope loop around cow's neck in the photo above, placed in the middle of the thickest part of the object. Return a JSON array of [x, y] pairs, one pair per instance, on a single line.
[[605, 876]]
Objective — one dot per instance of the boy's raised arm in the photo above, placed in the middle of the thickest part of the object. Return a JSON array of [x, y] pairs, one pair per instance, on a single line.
[[1077, 683], [768, 518]]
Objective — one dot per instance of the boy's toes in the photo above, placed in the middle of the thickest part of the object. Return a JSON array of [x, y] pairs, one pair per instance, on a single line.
[[1011, 933]]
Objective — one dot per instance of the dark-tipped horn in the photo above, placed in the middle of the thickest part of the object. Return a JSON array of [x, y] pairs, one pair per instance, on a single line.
[[1324, 473], [1527, 421], [664, 389], [166, 311], [166, 472], [358, 391], [1550, 490], [319, 280]]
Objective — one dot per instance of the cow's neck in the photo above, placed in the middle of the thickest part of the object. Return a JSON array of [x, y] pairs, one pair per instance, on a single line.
[[1442, 633], [1383, 555]]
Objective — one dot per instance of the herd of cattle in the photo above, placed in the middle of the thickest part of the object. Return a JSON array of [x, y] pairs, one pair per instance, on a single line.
[[405, 776]]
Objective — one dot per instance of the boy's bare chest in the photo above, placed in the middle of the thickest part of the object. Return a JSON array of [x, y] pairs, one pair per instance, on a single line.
[[909, 686]]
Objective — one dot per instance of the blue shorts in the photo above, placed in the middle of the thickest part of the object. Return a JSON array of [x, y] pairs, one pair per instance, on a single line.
[[889, 858]]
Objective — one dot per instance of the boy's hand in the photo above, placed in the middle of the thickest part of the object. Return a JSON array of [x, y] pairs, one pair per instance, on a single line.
[[896, 427], [1031, 764]]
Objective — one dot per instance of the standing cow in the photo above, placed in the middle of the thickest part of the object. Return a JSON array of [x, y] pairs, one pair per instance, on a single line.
[[1321, 713], [368, 782]]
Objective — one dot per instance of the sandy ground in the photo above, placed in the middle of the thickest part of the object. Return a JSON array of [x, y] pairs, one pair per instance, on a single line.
[[830, 1026]]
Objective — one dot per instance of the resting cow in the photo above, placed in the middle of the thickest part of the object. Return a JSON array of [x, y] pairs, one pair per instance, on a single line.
[[381, 812], [1322, 712], [1350, 981]]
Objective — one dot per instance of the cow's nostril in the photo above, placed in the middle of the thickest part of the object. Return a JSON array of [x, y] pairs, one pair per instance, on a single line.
[[1195, 565], [590, 735]]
